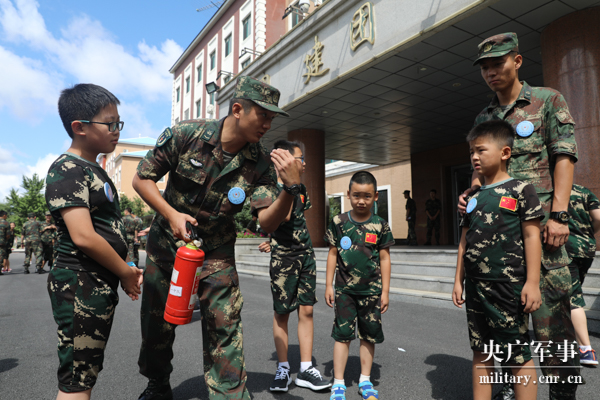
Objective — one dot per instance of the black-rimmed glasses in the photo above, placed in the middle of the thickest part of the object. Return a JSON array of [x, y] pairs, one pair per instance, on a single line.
[[300, 158], [112, 126]]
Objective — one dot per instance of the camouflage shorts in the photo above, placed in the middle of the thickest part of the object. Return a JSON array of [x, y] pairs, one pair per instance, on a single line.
[[3, 253], [495, 312], [351, 309], [83, 305], [578, 269], [293, 281]]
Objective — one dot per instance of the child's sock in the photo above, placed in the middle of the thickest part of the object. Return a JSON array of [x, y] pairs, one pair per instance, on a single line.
[[339, 382], [585, 348], [364, 378], [285, 364], [304, 365]]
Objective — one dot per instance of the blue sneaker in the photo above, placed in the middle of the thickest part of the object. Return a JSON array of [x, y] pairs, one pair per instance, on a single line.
[[338, 392], [588, 358], [365, 389]]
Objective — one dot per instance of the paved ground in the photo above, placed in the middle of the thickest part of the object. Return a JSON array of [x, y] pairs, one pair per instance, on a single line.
[[435, 363]]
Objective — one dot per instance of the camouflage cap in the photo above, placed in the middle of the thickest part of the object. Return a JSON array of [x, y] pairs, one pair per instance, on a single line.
[[31, 214], [497, 46], [259, 92], [48, 213]]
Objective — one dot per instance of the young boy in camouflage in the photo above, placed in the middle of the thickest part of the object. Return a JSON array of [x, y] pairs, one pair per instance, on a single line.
[[499, 259], [48, 230], [359, 257], [293, 283], [92, 249], [131, 230], [32, 241], [584, 209]]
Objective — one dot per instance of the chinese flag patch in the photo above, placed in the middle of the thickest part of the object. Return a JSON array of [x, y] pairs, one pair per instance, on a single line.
[[371, 238], [509, 203], [302, 198]]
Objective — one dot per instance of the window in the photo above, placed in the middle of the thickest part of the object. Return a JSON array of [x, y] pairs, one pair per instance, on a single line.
[[198, 108], [187, 84], [213, 60], [186, 114], [246, 62], [177, 120], [228, 45], [226, 79], [212, 98], [199, 73], [177, 95], [246, 28]]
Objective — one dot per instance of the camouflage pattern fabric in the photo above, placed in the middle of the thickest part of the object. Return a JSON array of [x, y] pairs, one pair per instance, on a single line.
[[4, 234], [83, 305], [48, 237], [581, 242], [578, 270], [220, 307], [9, 241], [136, 248], [293, 280], [364, 311], [259, 92], [33, 243], [293, 235], [495, 249], [130, 228], [75, 182], [497, 46], [358, 269], [432, 207], [495, 312]]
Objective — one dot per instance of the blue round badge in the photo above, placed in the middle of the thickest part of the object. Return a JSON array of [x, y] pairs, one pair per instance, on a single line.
[[346, 243], [525, 128], [471, 206], [236, 195], [108, 192]]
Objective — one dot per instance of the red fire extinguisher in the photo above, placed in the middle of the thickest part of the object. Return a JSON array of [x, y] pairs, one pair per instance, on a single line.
[[185, 280]]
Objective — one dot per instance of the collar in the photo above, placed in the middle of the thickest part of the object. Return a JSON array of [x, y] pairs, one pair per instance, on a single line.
[[212, 135], [524, 95]]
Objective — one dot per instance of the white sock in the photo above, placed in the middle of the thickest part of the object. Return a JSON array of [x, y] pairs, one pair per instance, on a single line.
[[339, 382], [364, 378], [285, 364], [585, 348], [304, 365]]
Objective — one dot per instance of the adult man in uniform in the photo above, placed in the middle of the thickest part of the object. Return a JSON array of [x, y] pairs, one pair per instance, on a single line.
[[213, 166], [48, 236], [433, 208], [411, 216], [4, 234], [543, 154], [131, 231], [31, 237]]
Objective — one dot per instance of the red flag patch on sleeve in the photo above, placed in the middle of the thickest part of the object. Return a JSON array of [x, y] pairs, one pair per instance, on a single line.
[[302, 198], [371, 238], [509, 203]]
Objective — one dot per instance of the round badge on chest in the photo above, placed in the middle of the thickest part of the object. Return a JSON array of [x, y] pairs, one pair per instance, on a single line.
[[524, 129], [471, 206], [236, 195], [108, 192], [345, 243]]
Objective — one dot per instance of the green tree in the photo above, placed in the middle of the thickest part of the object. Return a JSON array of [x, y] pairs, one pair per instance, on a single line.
[[137, 205], [243, 217], [32, 200], [335, 208]]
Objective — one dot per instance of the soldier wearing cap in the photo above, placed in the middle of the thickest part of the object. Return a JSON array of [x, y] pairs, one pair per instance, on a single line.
[[48, 236], [411, 216], [544, 154], [213, 166], [31, 239]]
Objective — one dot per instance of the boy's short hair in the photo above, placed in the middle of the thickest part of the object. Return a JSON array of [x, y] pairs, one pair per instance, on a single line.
[[286, 145], [498, 130], [433, 190], [128, 209], [363, 178], [83, 101], [246, 105], [3, 213]]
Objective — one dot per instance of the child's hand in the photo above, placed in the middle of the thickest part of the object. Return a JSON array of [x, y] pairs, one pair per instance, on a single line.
[[131, 281], [457, 298], [329, 296], [385, 302], [265, 247], [531, 297]]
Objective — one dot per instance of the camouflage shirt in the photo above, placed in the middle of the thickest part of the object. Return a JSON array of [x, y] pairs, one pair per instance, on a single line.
[[32, 231], [292, 235], [411, 207], [495, 248], [358, 269], [138, 224], [49, 234], [75, 182], [200, 185], [130, 226], [433, 206], [582, 242], [4, 232]]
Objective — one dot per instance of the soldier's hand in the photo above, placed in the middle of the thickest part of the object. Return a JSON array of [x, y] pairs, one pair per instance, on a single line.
[[385, 302], [330, 296], [131, 281], [265, 247], [177, 221], [288, 168], [555, 234], [457, 293], [462, 202], [531, 297]]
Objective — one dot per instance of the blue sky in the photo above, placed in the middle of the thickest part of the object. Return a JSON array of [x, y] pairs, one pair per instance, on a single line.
[[126, 46]]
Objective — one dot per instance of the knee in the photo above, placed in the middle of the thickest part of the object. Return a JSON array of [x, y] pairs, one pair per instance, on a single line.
[[305, 312]]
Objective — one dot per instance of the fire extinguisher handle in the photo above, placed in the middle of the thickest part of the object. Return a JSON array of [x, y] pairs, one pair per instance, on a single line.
[[191, 231]]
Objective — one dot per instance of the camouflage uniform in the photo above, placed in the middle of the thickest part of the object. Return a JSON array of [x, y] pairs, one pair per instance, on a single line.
[[4, 236], [432, 207], [130, 228], [33, 243], [48, 236], [293, 269], [199, 184], [411, 212], [136, 245], [358, 276], [532, 161], [581, 244], [83, 293], [10, 239], [495, 267]]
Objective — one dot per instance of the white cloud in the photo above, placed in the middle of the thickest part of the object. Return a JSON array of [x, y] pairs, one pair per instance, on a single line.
[[136, 123], [11, 171]]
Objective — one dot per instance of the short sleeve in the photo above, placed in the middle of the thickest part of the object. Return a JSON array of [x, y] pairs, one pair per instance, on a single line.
[[67, 185], [529, 204], [265, 193], [592, 201], [387, 238], [162, 158], [330, 234], [465, 220], [561, 128]]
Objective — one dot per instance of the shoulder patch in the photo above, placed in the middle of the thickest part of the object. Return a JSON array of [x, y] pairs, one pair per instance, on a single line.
[[164, 137], [509, 203]]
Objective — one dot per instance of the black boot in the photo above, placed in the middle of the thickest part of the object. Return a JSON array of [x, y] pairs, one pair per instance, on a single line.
[[157, 390]]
